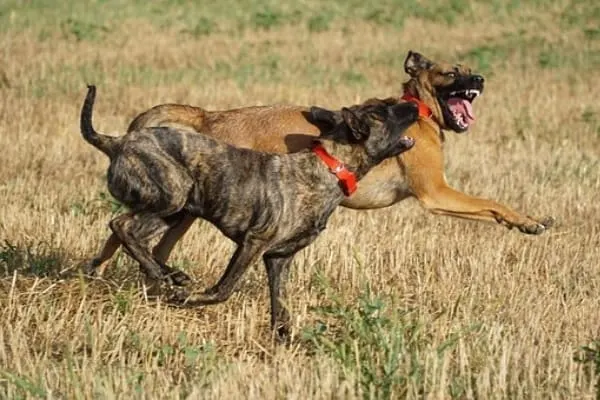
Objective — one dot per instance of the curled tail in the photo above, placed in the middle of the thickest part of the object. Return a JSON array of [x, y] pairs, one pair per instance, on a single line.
[[107, 144]]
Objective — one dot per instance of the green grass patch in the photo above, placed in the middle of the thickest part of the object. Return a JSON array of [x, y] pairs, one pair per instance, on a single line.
[[382, 345], [589, 356], [91, 19], [255, 63], [82, 30], [25, 387], [36, 259], [521, 48], [581, 14]]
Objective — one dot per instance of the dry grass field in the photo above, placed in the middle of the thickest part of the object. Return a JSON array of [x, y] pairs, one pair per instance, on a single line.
[[392, 303]]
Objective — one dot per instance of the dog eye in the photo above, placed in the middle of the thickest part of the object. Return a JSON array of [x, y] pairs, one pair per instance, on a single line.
[[450, 74]]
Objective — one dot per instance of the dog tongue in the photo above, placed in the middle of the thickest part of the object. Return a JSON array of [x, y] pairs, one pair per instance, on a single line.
[[462, 107]]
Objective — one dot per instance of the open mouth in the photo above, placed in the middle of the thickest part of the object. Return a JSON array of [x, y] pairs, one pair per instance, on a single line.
[[457, 108]]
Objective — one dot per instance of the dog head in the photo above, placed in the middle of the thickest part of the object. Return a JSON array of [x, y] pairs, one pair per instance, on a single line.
[[376, 129], [448, 89]]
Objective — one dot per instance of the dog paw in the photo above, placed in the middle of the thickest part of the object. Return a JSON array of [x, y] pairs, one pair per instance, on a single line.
[[186, 297], [89, 268], [282, 334], [537, 227], [533, 229], [548, 222], [180, 278], [174, 276], [177, 295]]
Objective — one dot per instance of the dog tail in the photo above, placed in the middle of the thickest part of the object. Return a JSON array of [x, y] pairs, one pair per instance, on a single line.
[[107, 144]]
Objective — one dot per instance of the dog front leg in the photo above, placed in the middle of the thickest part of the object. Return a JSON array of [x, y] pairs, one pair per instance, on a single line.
[[277, 272], [245, 255], [447, 201]]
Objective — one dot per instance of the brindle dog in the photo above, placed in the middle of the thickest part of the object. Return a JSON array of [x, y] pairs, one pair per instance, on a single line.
[[270, 205], [444, 93]]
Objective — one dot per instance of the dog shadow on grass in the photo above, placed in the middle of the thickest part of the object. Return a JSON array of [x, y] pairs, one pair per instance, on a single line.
[[53, 264], [34, 260]]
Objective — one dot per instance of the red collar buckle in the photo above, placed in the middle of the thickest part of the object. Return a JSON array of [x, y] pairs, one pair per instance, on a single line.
[[346, 177], [424, 110]]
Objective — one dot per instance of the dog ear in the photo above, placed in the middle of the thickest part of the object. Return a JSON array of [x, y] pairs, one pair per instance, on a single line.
[[415, 63], [358, 128], [404, 110], [323, 116]]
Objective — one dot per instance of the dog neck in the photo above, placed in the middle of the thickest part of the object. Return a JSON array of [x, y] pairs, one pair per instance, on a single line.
[[424, 110], [349, 163], [417, 91], [414, 91], [346, 178]]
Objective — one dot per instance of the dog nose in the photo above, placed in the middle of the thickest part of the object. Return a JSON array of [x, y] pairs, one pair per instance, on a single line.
[[477, 79]]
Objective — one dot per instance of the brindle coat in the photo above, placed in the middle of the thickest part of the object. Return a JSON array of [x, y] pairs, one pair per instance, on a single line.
[[270, 205]]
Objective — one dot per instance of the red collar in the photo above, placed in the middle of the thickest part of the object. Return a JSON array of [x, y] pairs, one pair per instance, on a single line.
[[345, 176], [424, 110]]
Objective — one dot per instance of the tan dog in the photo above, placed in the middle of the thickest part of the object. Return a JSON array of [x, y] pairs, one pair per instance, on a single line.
[[444, 93]]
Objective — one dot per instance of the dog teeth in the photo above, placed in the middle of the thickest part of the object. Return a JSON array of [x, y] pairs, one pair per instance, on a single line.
[[459, 119], [468, 92]]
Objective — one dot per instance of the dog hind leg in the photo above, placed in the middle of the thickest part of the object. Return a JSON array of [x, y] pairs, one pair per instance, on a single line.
[[135, 231], [164, 247], [97, 265], [176, 229], [155, 187]]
